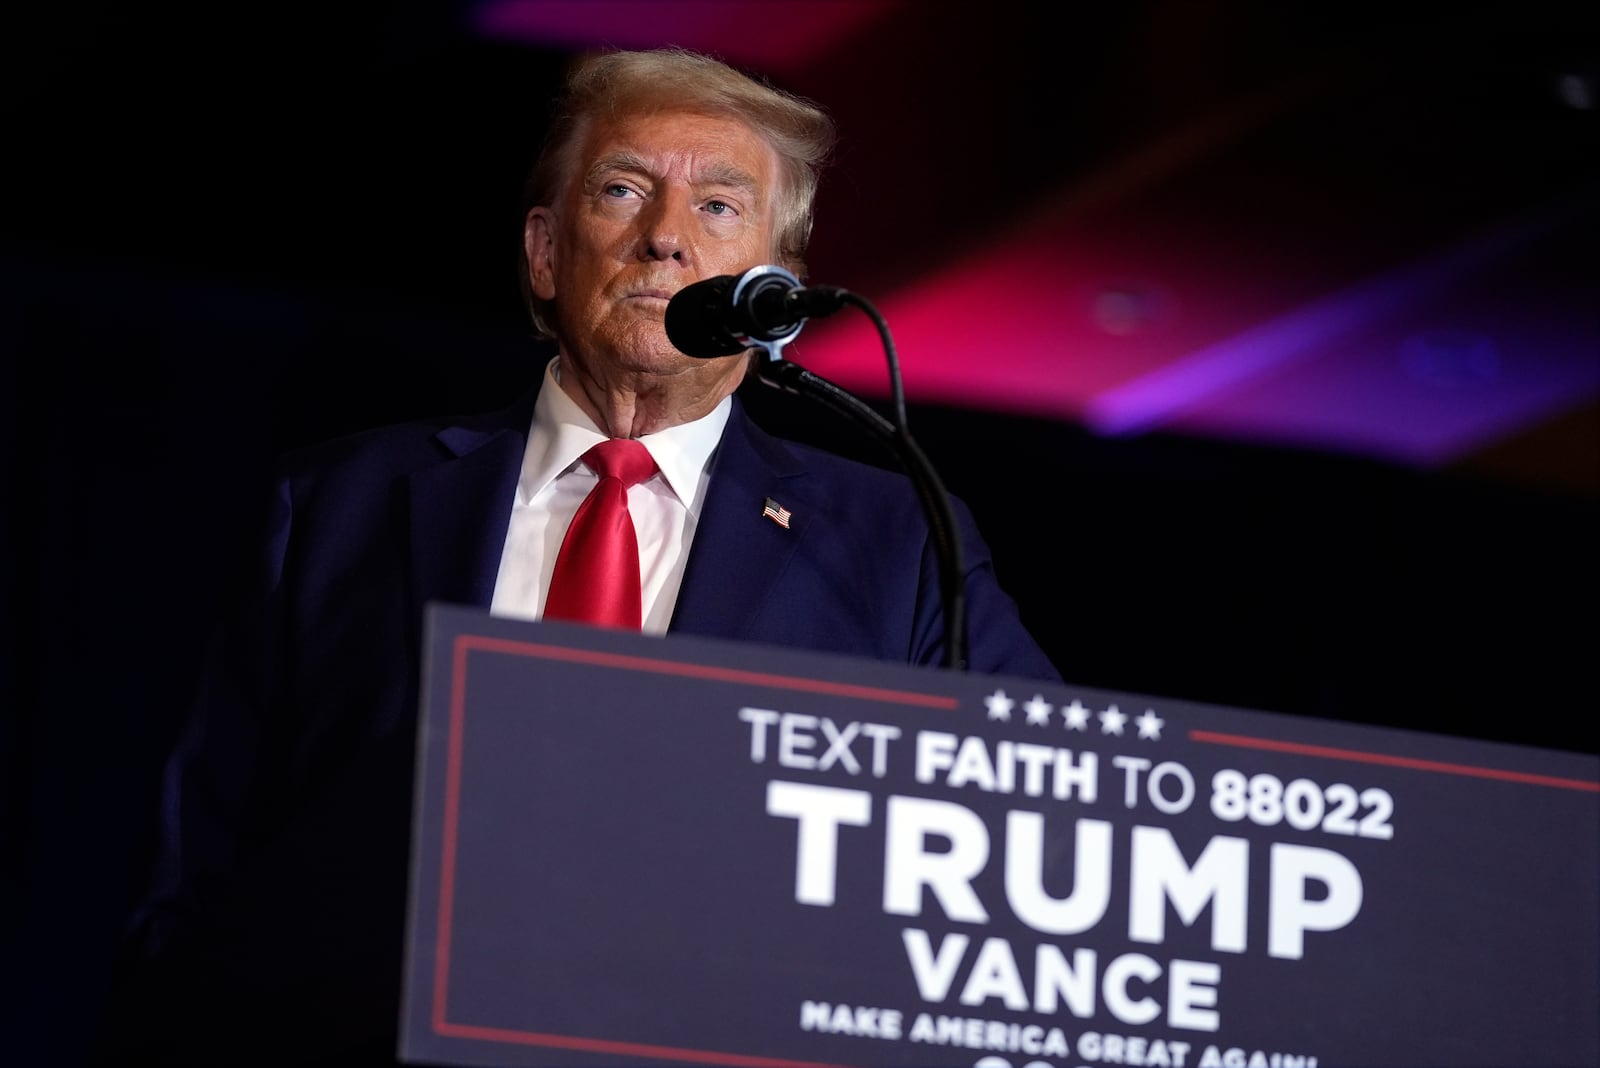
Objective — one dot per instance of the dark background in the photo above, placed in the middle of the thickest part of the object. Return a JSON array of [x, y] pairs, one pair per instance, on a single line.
[[232, 230]]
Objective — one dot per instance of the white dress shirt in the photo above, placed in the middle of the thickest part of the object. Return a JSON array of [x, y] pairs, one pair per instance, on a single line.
[[665, 507]]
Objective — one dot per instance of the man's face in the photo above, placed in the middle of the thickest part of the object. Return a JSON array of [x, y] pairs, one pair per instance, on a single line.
[[657, 202]]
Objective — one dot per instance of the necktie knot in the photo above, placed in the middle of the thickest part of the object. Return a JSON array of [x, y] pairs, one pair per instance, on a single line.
[[624, 459]]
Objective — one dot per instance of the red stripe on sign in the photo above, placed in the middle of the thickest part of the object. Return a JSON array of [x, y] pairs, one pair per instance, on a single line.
[[1358, 756], [637, 1049], [705, 671]]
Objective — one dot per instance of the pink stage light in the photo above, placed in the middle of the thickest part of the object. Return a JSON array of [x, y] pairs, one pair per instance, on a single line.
[[777, 36]]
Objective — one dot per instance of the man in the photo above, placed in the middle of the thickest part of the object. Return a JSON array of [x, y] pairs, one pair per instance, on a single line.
[[274, 933]]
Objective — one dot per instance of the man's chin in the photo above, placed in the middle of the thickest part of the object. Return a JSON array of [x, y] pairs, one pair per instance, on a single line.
[[639, 345], [646, 348]]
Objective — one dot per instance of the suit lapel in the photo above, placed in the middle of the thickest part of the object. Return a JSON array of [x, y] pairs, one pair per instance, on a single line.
[[460, 509], [739, 555]]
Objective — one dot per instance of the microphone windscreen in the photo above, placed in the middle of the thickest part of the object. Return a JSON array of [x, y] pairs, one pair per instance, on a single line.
[[697, 318]]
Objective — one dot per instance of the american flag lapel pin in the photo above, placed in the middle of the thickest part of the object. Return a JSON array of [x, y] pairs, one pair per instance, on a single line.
[[776, 512]]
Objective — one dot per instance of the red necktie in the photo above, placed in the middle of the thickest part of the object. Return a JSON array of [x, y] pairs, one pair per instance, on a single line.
[[596, 578]]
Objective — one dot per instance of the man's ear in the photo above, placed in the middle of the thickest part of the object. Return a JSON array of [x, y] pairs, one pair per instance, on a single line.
[[539, 249]]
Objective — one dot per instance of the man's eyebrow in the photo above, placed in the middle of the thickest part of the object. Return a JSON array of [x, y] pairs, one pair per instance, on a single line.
[[729, 175], [717, 174], [615, 161]]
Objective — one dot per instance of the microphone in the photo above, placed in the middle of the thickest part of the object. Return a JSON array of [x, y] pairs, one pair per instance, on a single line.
[[727, 314], [765, 307]]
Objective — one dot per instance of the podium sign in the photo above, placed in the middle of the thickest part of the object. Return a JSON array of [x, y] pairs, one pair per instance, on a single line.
[[632, 849]]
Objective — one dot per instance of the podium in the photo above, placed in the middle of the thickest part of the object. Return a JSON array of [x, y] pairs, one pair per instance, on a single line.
[[641, 850]]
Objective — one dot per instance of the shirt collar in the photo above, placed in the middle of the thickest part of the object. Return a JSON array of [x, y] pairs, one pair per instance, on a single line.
[[562, 433]]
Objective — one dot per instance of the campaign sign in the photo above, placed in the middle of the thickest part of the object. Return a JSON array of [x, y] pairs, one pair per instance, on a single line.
[[644, 850]]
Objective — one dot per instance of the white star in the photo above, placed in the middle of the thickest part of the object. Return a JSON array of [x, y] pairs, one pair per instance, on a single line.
[[1038, 711], [1111, 721], [1075, 717], [1150, 724], [999, 705]]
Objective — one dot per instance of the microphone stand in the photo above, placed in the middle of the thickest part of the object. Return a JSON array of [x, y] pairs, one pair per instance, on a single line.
[[779, 373]]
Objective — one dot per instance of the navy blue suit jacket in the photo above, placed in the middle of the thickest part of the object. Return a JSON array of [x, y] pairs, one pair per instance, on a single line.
[[278, 912]]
